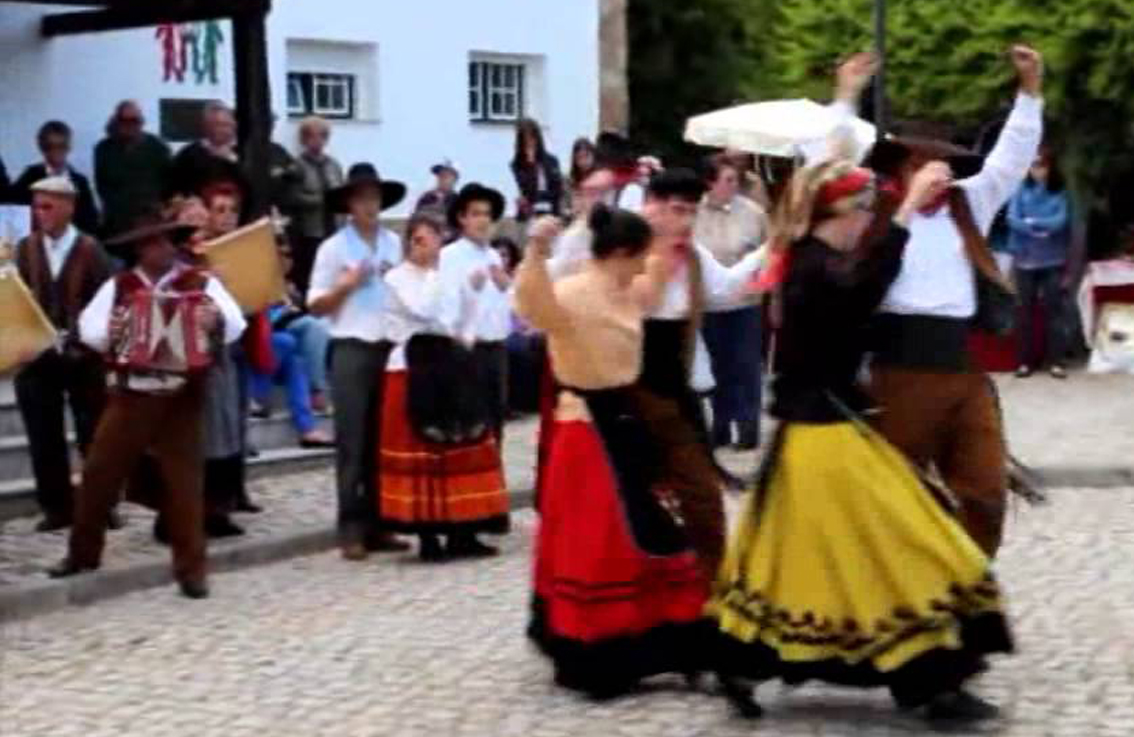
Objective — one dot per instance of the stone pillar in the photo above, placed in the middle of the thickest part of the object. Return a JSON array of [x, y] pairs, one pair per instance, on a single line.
[[614, 91]]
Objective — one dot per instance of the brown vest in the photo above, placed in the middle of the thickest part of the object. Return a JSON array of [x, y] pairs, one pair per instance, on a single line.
[[63, 298]]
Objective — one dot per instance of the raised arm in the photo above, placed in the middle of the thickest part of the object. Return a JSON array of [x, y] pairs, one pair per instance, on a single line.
[[851, 80], [1008, 163], [533, 291]]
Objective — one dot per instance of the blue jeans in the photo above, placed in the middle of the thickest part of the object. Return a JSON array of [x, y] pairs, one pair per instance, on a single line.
[[292, 374], [734, 340], [313, 339]]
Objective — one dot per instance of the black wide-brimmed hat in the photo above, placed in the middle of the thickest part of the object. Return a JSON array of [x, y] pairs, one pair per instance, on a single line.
[[476, 192], [150, 225], [364, 175], [909, 139]]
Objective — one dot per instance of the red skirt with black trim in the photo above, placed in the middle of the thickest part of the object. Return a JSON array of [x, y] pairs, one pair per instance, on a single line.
[[606, 612], [427, 487]]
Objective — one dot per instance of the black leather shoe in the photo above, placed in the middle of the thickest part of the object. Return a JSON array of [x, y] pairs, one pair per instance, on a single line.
[[52, 523], [431, 550], [67, 568], [245, 505], [960, 707], [194, 589], [470, 547], [748, 438], [222, 526]]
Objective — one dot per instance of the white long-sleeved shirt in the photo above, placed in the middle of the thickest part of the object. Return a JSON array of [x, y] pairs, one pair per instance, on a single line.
[[415, 308], [724, 286], [362, 316], [489, 319], [936, 277]]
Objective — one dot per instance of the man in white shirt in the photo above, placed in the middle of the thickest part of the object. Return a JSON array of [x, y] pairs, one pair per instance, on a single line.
[[938, 407], [63, 268], [666, 398], [731, 226], [473, 272], [348, 290], [151, 409]]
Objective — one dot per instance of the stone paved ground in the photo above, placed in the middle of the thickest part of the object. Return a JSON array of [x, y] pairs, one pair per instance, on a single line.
[[295, 503], [318, 647], [1086, 422]]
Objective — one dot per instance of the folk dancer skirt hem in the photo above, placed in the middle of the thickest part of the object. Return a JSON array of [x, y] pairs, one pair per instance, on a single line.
[[845, 568], [604, 611], [428, 487]]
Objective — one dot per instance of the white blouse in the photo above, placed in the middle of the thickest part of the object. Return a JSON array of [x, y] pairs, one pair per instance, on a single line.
[[416, 307]]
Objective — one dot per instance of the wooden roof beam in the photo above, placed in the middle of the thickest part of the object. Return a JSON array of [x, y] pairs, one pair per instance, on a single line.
[[123, 16]]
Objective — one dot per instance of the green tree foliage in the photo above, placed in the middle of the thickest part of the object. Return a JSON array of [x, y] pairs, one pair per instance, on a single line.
[[946, 63], [687, 58]]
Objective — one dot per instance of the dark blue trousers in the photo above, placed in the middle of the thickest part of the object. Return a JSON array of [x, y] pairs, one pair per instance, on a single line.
[[735, 340]]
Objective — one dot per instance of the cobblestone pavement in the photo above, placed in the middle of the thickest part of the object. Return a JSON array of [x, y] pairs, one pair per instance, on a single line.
[[298, 502], [319, 647]]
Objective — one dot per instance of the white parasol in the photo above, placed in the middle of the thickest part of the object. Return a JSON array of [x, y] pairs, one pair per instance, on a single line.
[[775, 128]]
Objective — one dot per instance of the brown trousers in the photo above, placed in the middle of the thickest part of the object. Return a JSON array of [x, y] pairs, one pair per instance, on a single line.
[[951, 422], [169, 428], [691, 474]]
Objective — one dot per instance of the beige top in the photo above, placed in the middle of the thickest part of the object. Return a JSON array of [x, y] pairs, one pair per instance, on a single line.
[[732, 231], [593, 324]]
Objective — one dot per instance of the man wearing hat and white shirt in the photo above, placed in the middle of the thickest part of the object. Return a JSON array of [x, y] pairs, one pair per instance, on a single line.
[[154, 410], [63, 268], [348, 290]]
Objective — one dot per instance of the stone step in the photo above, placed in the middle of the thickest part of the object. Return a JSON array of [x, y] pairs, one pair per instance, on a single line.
[[17, 497], [274, 433]]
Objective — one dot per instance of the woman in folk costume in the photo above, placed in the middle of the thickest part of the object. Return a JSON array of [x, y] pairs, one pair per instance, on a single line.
[[618, 589], [439, 470], [844, 566]]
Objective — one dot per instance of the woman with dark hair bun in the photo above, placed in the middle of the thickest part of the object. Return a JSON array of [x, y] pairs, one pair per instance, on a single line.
[[618, 590]]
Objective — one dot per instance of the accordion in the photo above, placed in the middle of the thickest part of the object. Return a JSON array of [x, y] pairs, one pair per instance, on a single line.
[[162, 334]]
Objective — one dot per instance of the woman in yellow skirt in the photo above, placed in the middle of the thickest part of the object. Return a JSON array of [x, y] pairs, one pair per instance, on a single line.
[[845, 567]]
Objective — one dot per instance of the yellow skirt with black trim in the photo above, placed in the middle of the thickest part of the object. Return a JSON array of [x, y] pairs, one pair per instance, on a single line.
[[845, 567]]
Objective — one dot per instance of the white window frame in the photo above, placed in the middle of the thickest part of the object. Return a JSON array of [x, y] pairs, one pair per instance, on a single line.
[[487, 79], [295, 84], [313, 84]]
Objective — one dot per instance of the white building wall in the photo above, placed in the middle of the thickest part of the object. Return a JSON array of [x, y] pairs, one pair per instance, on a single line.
[[421, 109]]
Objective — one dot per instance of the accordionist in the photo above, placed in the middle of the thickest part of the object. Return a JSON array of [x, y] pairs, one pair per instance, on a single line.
[[158, 324]]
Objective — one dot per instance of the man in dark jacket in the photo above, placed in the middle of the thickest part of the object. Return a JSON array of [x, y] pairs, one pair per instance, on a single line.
[[194, 162], [54, 141], [63, 267], [131, 169]]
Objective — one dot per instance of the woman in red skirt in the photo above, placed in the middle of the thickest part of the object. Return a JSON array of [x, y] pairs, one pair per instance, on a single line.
[[439, 468], [618, 591]]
